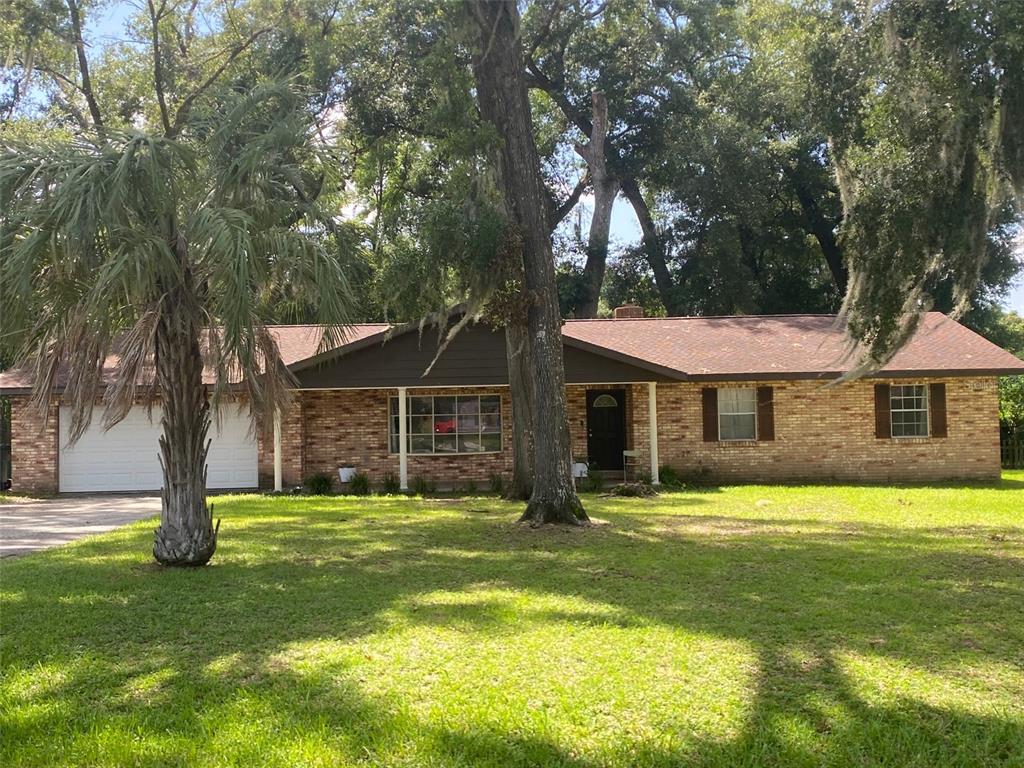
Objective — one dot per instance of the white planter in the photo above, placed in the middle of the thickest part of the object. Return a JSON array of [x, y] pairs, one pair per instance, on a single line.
[[345, 474], [579, 469]]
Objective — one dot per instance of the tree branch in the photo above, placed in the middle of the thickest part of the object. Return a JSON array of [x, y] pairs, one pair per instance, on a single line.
[[563, 210], [186, 105], [539, 80], [83, 66], [158, 65], [652, 244], [653, 247]]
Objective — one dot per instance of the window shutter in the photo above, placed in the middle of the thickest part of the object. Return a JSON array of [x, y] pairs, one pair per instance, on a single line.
[[937, 406], [765, 414], [709, 397], [883, 417]]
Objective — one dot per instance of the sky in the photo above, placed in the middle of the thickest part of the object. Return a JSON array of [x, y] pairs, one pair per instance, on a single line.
[[625, 229]]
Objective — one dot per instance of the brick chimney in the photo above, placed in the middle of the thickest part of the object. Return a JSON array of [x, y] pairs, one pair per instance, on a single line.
[[628, 311]]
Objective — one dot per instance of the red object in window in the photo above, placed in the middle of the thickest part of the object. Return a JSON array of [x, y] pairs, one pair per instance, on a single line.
[[444, 427]]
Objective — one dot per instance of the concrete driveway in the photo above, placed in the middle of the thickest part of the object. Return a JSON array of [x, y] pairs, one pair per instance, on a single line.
[[32, 525]]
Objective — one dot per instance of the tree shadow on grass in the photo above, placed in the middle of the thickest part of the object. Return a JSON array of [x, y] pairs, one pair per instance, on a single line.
[[107, 642]]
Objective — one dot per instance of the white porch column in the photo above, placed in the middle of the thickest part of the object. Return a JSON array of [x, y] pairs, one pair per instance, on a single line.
[[278, 481], [652, 417], [403, 442]]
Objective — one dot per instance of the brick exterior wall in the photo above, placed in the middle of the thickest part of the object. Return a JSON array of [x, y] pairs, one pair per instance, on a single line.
[[292, 448], [33, 447], [349, 428], [828, 433], [821, 434], [637, 422]]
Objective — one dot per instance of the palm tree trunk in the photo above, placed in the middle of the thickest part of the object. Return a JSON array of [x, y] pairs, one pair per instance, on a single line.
[[186, 535]]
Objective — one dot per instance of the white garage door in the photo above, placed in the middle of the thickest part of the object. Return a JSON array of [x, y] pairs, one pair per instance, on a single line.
[[124, 458]]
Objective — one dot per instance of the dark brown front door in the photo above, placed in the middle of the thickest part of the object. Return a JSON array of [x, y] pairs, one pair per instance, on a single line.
[[606, 427]]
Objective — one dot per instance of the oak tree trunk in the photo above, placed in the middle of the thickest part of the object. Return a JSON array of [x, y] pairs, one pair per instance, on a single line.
[[517, 347], [823, 230], [501, 87], [654, 248], [606, 187], [186, 535]]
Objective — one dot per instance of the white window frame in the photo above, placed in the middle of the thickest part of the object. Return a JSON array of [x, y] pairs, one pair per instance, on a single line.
[[393, 400], [927, 411], [753, 413]]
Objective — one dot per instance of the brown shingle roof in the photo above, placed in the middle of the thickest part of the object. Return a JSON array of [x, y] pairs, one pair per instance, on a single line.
[[748, 347], [784, 346], [296, 342]]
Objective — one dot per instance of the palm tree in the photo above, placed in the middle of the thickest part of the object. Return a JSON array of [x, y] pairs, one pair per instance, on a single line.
[[164, 249]]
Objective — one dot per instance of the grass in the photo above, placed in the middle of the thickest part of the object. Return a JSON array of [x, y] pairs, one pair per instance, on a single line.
[[11, 497], [746, 626]]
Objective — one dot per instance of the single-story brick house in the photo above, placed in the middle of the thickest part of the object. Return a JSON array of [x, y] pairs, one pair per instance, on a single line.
[[746, 398]]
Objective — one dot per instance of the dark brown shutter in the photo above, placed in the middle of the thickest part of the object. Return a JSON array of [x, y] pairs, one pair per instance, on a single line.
[[765, 414], [709, 397], [937, 405], [883, 418]]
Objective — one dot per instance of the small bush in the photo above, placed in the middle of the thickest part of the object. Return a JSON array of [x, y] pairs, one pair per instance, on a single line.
[[497, 484], [423, 487], [594, 481], [359, 485], [634, 490], [471, 487], [391, 486], [669, 477], [695, 478], [318, 484]]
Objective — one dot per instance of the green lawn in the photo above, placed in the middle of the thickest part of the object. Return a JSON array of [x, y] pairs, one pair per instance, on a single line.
[[742, 626]]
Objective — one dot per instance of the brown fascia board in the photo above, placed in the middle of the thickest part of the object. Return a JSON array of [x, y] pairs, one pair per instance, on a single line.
[[832, 375], [21, 390]]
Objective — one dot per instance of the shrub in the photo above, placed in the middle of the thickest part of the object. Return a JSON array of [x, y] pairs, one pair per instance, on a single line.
[[391, 486], [669, 477], [423, 487], [319, 484], [471, 487], [497, 484], [594, 481], [359, 485]]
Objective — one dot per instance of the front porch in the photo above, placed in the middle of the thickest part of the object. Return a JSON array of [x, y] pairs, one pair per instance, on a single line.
[[405, 433]]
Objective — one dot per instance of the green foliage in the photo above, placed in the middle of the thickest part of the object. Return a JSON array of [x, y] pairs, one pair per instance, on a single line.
[[318, 484], [669, 477], [103, 247], [390, 485], [1011, 404], [359, 485], [924, 157], [421, 486], [497, 483]]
